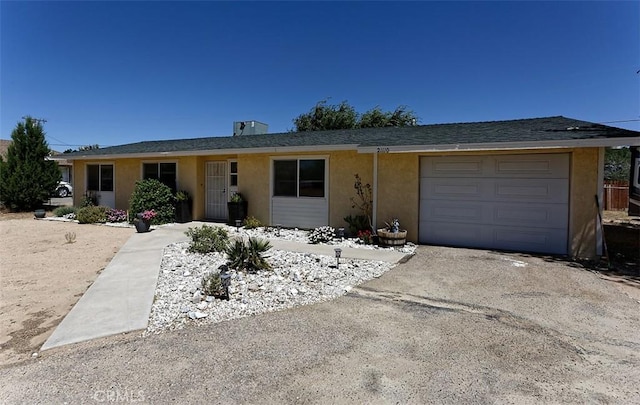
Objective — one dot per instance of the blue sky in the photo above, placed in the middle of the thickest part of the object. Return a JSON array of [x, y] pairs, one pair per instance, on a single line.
[[110, 73]]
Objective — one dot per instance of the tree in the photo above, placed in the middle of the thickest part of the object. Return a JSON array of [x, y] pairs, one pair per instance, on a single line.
[[27, 178], [617, 163], [343, 116]]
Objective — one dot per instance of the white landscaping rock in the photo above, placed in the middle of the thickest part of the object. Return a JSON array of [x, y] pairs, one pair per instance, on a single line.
[[295, 279]]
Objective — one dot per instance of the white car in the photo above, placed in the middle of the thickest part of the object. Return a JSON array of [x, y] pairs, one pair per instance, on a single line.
[[64, 189]]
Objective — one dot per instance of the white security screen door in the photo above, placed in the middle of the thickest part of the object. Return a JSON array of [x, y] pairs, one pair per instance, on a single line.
[[216, 190]]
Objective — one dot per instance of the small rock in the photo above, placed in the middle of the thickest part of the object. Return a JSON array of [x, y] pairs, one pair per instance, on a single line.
[[210, 298], [34, 354], [186, 273], [202, 305], [197, 297], [253, 287], [348, 288], [185, 310], [196, 315], [293, 291]]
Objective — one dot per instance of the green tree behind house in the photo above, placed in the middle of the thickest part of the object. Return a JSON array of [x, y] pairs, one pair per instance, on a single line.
[[27, 178], [325, 116]]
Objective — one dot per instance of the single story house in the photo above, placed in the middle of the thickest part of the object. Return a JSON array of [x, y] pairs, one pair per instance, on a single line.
[[525, 185]]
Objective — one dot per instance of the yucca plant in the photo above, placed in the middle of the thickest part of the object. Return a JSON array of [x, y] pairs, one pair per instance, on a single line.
[[236, 254], [248, 256], [255, 255]]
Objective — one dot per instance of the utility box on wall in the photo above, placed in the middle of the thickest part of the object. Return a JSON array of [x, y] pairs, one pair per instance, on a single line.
[[249, 128]]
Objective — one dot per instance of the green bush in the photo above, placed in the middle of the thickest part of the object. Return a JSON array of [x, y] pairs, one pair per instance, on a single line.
[[62, 211], [92, 215], [207, 239], [252, 223], [212, 284], [248, 256], [357, 223], [151, 194]]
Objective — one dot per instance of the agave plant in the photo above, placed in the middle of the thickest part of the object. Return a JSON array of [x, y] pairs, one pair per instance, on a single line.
[[248, 256]]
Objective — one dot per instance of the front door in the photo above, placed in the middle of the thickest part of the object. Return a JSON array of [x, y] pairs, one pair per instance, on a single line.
[[216, 190], [100, 182]]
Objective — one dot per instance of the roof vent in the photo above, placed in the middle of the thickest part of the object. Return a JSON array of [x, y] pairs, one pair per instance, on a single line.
[[249, 128]]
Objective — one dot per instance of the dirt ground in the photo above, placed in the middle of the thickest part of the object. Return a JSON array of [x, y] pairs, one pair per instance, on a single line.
[[42, 276]]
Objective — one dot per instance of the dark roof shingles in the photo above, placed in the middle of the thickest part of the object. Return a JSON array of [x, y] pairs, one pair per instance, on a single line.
[[533, 129]]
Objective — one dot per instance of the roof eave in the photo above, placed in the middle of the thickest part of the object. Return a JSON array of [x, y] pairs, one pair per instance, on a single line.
[[213, 152], [571, 143]]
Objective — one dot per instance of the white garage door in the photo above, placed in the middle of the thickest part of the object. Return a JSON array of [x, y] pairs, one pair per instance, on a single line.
[[511, 202]]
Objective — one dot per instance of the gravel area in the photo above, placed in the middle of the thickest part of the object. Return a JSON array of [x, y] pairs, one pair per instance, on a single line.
[[295, 279]]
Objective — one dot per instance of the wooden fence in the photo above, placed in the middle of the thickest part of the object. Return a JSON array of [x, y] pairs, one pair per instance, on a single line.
[[616, 195]]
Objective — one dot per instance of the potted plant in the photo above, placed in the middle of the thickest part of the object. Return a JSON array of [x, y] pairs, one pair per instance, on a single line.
[[238, 208], [142, 221], [392, 235], [183, 207]]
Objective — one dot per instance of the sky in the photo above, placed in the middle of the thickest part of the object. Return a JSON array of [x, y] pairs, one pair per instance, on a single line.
[[111, 73]]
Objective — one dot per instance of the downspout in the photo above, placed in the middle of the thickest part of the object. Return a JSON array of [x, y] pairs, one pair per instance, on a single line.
[[600, 196], [374, 193]]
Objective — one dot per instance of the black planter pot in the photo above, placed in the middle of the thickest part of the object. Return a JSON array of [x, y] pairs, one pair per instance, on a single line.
[[237, 210], [141, 224], [183, 211]]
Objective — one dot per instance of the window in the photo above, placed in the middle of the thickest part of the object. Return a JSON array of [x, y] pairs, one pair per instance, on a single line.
[[299, 178], [100, 177], [233, 174], [165, 172]]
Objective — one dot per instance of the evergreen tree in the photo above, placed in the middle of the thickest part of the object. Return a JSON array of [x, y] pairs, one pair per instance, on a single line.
[[27, 178]]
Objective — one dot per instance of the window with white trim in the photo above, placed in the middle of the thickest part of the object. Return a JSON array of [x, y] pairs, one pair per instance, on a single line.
[[299, 178]]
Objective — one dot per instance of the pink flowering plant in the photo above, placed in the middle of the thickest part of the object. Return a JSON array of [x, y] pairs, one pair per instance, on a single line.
[[365, 237], [148, 215], [115, 215]]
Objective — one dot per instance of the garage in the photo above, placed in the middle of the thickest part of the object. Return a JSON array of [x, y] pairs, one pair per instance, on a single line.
[[506, 202]]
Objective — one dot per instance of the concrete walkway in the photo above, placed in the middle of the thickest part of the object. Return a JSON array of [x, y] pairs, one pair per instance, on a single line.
[[120, 299]]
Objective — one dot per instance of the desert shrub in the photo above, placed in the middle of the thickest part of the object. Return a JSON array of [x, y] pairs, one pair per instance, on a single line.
[[357, 223], [92, 214], [248, 255], [207, 239], [151, 194], [114, 215], [62, 211], [321, 234], [212, 284], [252, 222]]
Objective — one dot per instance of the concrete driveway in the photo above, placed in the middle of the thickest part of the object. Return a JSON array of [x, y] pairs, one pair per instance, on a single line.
[[449, 326]]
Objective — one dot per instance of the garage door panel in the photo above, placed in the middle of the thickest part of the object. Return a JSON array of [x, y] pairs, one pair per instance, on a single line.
[[490, 213], [491, 189], [453, 167], [512, 202], [506, 166], [495, 237], [531, 166]]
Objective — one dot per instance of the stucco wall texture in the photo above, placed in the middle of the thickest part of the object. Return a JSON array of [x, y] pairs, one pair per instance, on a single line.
[[398, 191]]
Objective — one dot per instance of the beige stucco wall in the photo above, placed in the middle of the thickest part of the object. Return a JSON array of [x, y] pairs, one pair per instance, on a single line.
[[398, 188], [399, 191], [584, 214]]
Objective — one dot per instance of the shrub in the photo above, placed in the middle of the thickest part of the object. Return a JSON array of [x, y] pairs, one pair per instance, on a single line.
[[92, 215], [151, 194], [114, 215], [357, 223], [248, 256], [212, 284], [252, 223], [365, 237], [62, 211], [321, 234], [207, 239]]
